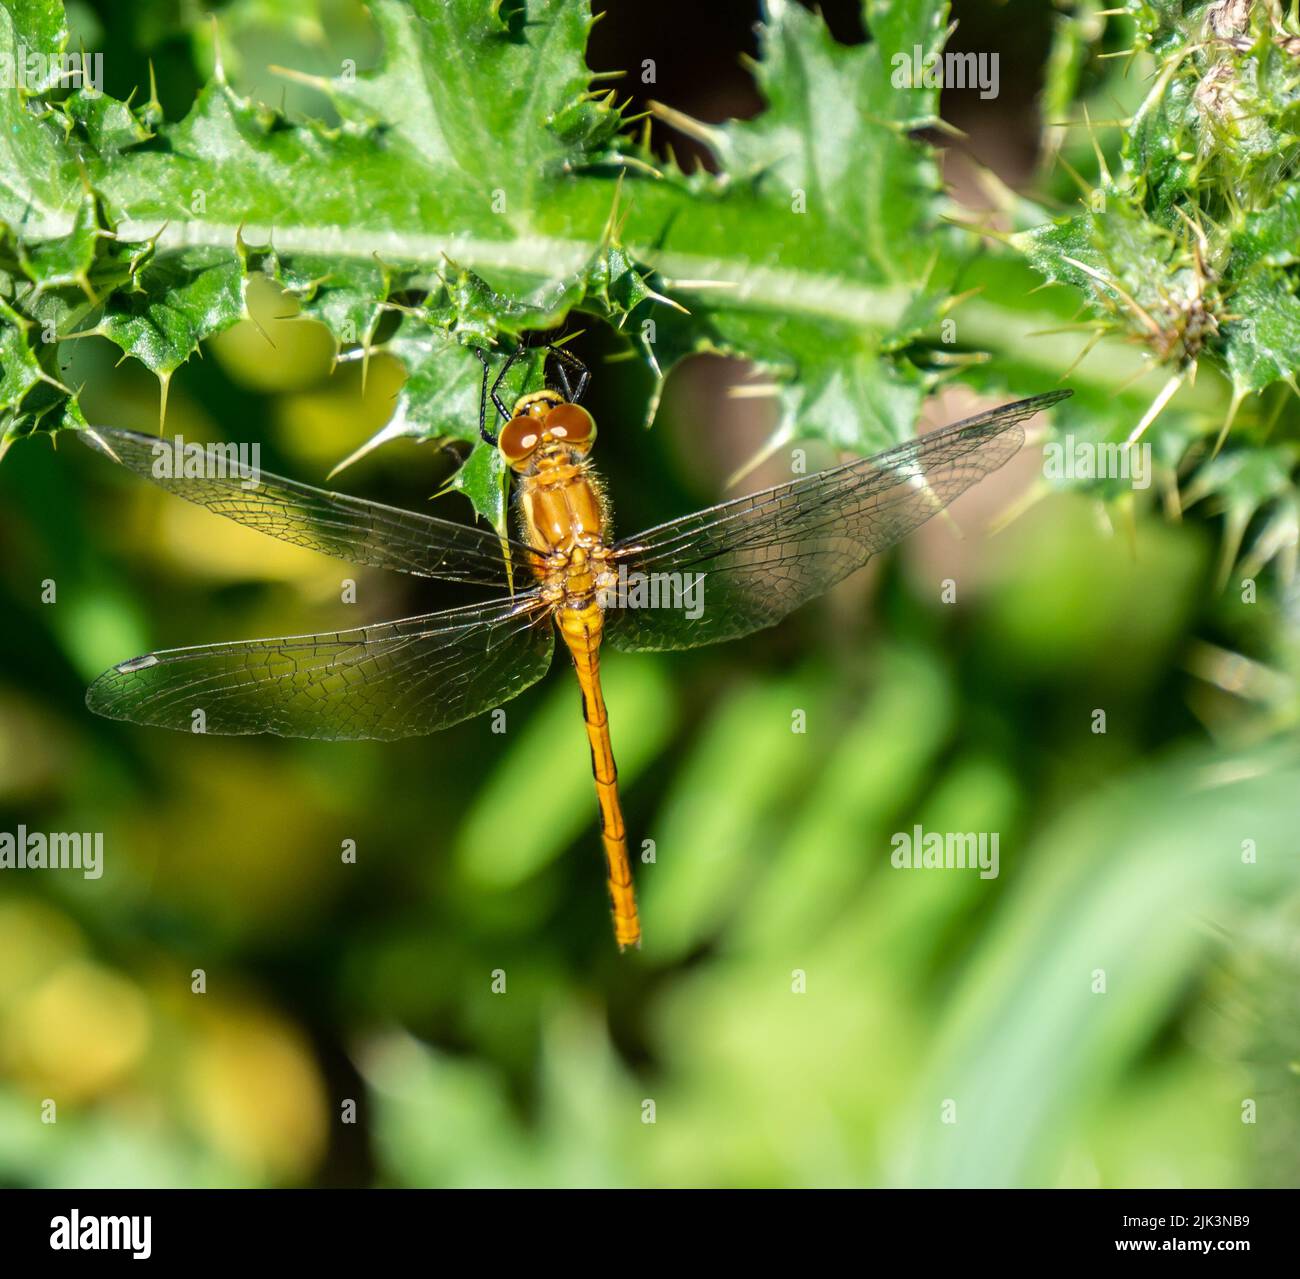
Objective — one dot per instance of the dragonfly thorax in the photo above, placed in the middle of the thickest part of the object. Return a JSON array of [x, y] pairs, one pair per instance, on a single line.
[[561, 502]]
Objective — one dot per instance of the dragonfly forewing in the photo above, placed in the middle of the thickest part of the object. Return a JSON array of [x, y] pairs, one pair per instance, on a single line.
[[389, 680], [348, 528], [764, 555]]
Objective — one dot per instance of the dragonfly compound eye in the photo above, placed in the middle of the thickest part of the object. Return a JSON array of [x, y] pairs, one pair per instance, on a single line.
[[571, 422], [519, 438]]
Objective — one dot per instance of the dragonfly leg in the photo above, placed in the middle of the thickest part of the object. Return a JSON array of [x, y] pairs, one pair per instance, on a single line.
[[564, 381], [496, 386], [567, 360], [483, 399]]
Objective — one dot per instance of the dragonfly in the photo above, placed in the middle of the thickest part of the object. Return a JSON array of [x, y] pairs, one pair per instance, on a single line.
[[714, 575]]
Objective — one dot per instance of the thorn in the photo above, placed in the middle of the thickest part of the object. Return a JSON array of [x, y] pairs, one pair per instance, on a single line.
[[952, 303], [1024, 503], [662, 299], [1085, 187], [164, 385], [1000, 196], [639, 165], [928, 272], [753, 391], [948, 129], [1083, 355], [323, 83], [1157, 407], [103, 444], [709, 136], [1102, 167], [783, 435], [959, 359], [1172, 498], [1234, 530], [1002, 237], [608, 235], [218, 66], [395, 429], [1085, 326], [1132, 380], [1152, 326], [700, 286], [257, 324]]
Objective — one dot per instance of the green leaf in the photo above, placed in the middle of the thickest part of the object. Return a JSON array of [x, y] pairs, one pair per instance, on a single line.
[[22, 373], [809, 252], [1263, 341], [472, 110], [471, 183]]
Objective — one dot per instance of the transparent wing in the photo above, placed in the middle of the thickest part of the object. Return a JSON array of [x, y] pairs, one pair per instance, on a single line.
[[393, 679], [765, 554], [349, 528]]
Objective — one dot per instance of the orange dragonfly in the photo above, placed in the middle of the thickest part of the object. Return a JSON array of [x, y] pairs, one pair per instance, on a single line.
[[711, 576]]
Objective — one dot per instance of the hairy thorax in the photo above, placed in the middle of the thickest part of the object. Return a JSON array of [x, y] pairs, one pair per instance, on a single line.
[[565, 515]]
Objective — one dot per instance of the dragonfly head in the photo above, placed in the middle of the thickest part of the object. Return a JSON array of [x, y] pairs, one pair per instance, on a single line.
[[544, 422]]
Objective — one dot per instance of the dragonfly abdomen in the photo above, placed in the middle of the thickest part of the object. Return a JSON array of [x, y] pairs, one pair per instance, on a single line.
[[581, 627]]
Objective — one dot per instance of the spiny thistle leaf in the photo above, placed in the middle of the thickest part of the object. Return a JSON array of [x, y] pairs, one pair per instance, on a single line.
[[845, 204], [1189, 250], [472, 185], [450, 147]]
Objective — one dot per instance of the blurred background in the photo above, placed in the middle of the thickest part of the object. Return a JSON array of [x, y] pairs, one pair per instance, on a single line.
[[801, 1014]]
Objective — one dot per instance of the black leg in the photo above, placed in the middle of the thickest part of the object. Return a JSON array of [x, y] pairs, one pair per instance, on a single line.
[[496, 386], [483, 399], [567, 358], [564, 381]]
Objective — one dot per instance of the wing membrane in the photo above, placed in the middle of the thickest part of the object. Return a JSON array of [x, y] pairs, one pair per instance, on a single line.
[[765, 554], [390, 680], [349, 528]]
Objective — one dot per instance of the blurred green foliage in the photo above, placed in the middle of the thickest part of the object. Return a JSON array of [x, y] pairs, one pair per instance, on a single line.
[[802, 1012]]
